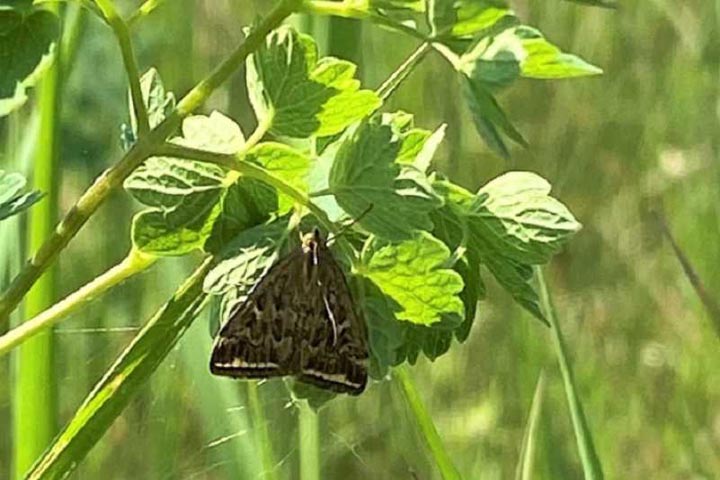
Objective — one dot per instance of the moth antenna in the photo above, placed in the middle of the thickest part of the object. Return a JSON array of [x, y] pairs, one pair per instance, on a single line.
[[347, 227]]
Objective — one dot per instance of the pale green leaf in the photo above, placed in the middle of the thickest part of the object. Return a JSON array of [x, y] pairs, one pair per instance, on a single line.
[[27, 41], [517, 216], [521, 51], [511, 224], [414, 275], [158, 101], [300, 96], [188, 197], [389, 199], [215, 133], [12, 200], [465, 18]]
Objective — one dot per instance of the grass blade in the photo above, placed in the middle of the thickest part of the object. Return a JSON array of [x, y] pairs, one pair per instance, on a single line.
[[711, 305], [34, 413], [309, 439], [123, 380], [588, 457], [427, 427], [527, 452], [262, 436]]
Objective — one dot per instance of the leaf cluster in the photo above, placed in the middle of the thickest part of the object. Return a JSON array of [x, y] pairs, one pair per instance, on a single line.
[[418, 241]]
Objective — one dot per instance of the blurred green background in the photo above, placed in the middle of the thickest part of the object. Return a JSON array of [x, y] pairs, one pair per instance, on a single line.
[[643, 137]]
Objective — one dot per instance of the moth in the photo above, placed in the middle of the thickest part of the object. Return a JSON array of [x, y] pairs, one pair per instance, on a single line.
[[298, 320]]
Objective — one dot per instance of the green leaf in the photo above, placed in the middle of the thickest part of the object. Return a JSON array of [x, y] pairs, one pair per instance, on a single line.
[[27, 41], [244, 260], [12, 201], [122, 381], [414, 275], [159, 102], [245, 204], [516, 215], [489, 118], [185, 196], [188, 197], [300, 96], [521, 51], [285, 163], [366, 175], [465, 18], [511, 224]]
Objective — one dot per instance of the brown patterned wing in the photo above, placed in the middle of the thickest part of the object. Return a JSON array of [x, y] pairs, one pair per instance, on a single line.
[[334, 338], [299, 320]]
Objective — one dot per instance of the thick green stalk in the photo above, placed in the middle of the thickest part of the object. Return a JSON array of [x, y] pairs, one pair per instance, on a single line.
[[133, 264], [425, 423], [112, 178], [262, 436], [123, 380], [309, 440], [586, 448], [34, 415]]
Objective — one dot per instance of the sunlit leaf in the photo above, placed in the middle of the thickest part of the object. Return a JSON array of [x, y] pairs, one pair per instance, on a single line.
[[465, 18], [285, 163], [414, 275], [301, 96]]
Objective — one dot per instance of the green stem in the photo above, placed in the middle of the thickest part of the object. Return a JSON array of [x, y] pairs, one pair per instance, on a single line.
[[402, 72], [588, 456], [345, 10], [133, 264], [336, 9], [425, 423], [309, 439], [143, 11], [122, 33], [34, 416], [111, 179], [237, 163], [262, 436]]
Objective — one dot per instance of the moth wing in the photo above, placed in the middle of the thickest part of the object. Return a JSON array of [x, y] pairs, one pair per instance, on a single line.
[[334, 337], [259, 338]]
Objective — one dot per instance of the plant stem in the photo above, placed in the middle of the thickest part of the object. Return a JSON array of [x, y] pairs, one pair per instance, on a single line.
[[309, 439], [262, 437], [144, 10], [122, 33], [237, 163], [34, 415], [133, 264], [425, 423], [121, 382], [402, 72], [337, 9], [112, 178], [588, 456]]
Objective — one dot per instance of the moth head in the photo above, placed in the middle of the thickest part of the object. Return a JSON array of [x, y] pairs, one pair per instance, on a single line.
[[311, 241]]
